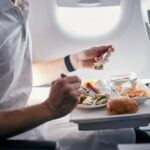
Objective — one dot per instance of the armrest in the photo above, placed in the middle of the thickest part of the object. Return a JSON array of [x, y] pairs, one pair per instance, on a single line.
[[24, 144]]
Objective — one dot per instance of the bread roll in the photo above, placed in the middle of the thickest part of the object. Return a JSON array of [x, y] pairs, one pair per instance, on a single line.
[[122, 106]]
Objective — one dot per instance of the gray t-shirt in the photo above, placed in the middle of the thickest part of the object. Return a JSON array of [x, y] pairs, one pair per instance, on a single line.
[[15, 55]]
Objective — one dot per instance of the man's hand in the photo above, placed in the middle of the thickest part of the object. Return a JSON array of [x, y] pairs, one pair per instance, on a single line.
[[64, 95], [87, 58]]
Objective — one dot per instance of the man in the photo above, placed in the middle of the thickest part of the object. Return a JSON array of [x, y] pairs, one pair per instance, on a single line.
[[16, 82]]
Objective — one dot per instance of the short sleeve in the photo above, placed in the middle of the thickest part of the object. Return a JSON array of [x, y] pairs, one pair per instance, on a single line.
[[5, 5]]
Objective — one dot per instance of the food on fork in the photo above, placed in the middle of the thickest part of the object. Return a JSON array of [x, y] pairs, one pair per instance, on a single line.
[[100, 64], [122, 105]]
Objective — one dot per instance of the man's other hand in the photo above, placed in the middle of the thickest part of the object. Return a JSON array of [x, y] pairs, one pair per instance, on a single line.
[[86, 58]]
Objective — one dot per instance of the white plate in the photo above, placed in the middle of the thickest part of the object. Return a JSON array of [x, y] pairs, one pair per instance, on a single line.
[[142, 100], [81, 106], [104, 88], [104, 91]]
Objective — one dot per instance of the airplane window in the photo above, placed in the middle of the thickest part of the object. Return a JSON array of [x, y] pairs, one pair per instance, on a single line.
[[146, 15], [88, 21]]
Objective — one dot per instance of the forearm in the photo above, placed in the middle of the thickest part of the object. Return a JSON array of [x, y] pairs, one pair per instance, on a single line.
[[18, 121], [46, 71]]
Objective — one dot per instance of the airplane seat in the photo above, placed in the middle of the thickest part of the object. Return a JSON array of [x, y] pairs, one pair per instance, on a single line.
[[26, 144]]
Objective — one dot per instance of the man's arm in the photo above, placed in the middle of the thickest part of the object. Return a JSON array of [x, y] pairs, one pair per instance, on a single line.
[[46, 71], [18, 121], [63, 98]]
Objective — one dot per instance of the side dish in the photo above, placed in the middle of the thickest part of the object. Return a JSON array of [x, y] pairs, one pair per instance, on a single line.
[[127, 89], [136, 92]]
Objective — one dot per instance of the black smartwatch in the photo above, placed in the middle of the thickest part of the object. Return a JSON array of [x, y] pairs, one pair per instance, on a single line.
[[68, 63]]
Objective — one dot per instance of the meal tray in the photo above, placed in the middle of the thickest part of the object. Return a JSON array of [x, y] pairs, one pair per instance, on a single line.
[[97, 119]]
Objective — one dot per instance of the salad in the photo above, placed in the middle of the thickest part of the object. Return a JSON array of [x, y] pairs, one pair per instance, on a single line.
[[92, 96], [97, 99]]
